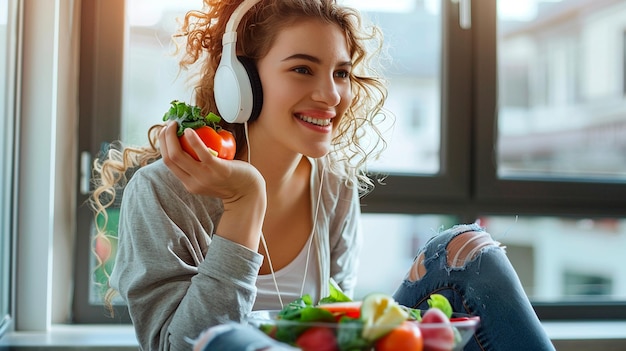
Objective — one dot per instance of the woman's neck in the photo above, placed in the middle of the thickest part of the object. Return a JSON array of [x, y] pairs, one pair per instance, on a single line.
[[278, 165]]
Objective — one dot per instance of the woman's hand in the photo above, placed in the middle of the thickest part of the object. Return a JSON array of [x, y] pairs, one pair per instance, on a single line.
[[240, 185], [212, 176]]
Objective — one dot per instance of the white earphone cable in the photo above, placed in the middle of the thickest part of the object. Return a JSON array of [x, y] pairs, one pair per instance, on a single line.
[[309, 240], [269, 261], [245, 131]]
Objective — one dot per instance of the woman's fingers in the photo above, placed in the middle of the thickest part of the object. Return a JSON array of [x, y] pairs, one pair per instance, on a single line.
[[211, 175], [171, 150], [204, 153], [193, 174]]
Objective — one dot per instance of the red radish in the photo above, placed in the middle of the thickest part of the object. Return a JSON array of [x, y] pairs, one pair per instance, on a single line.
[[437, 331]]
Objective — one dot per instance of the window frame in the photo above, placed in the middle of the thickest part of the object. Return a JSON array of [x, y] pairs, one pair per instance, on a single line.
[[467, 185], [100, 99], [9, 191]]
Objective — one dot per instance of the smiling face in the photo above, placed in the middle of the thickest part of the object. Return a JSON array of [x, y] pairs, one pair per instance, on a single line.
[[306, 89]]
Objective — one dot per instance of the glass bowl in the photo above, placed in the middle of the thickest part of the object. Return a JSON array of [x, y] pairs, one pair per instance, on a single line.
[[436, 336]]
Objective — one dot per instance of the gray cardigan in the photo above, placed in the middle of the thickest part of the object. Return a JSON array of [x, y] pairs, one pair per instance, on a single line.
[[178, 277]]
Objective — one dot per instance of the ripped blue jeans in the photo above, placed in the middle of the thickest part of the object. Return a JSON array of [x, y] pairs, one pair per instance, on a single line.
[[478, 279]]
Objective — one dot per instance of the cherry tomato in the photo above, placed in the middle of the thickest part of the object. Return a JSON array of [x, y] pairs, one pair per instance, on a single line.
[[406, 337], [222, 142], [317, 339]]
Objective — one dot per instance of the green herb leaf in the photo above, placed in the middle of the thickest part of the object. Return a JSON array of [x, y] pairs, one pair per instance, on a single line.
[[349, 334], [213, 118], [314, 314], [188, 116], [293, 310], [413, 313], [336, 295], [441, 302]]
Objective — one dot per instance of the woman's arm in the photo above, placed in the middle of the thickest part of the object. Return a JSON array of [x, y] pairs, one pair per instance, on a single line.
[[345, 238], [172, 290]]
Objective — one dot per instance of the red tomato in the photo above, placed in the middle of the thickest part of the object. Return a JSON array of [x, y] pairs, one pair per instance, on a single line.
[[317, 339], [228, 145], [339, 309], [406, 337], [437, 331], [223, 142]]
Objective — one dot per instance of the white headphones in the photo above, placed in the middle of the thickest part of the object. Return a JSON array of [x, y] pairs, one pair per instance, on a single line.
[[237, 86]]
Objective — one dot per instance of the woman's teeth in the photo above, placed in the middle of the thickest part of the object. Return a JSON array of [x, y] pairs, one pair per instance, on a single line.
[[316, 121]]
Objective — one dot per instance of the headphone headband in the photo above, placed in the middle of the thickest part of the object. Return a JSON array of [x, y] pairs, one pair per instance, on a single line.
[[235, 18]]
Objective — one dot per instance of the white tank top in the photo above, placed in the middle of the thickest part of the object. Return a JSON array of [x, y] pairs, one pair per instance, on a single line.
[[289, 280]]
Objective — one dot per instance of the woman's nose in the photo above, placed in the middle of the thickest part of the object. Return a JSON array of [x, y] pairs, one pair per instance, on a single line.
[[327, 91]]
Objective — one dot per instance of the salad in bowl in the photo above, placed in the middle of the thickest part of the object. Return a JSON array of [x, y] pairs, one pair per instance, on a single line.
[[377, 323]]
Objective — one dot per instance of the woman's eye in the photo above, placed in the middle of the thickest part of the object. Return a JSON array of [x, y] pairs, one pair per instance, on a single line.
[[342, 74], [302, 70]]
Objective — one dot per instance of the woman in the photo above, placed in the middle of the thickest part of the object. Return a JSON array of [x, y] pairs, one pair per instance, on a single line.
[[202, 243]]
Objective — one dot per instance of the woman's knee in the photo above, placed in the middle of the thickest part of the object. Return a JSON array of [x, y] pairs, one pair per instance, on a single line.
[[461, 249], [465, 247]]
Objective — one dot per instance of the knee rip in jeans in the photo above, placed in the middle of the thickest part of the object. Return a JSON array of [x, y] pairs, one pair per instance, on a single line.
[[461, 249]]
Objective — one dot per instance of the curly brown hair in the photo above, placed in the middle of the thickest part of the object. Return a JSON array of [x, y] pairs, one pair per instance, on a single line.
[[201, 35]]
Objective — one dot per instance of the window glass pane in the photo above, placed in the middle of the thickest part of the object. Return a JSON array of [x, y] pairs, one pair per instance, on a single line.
[[570, 273], [151, 74], [6, 162], [152, 80], [414, 82], [398, 237], [562, 88], [565, 259]]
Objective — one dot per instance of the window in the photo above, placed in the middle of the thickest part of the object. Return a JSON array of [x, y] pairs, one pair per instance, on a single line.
[[508, 118], [8, 16]]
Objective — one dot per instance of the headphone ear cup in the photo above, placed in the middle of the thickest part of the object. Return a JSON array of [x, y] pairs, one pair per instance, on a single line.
[[255, 83], [237, 86], [237, 89]]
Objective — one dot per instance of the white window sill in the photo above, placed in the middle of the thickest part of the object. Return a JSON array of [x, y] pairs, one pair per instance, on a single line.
[[75, 335], [124, 336], [563, 330]]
